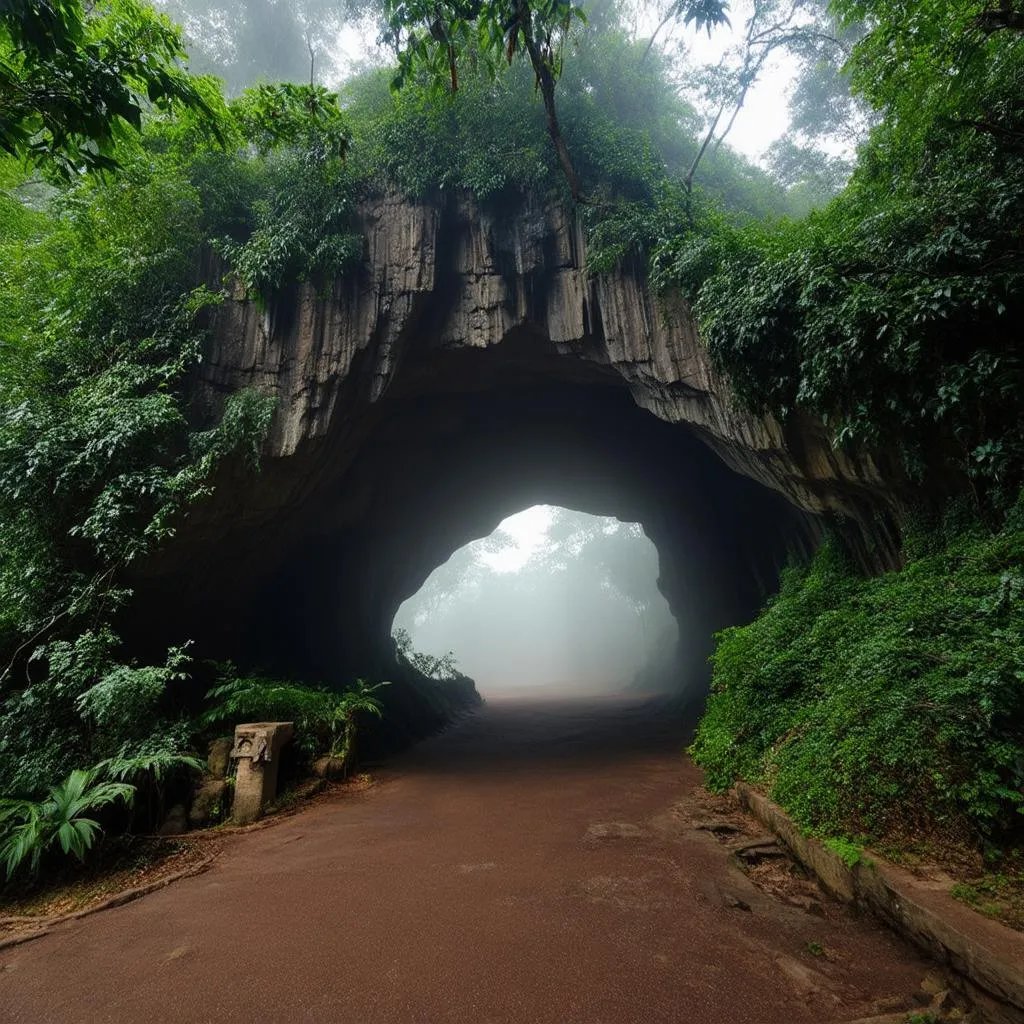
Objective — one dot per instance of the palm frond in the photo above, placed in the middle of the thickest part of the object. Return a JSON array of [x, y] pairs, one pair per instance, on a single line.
[[57, 819]]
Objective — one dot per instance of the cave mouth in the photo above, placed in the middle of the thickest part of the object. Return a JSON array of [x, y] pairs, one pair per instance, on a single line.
[[299, 571], [553, 602]]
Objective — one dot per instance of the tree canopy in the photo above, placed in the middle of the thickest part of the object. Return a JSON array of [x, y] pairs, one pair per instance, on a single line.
[[73, 77]]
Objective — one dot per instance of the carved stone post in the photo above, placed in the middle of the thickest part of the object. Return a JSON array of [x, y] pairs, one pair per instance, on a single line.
[[257, 746]]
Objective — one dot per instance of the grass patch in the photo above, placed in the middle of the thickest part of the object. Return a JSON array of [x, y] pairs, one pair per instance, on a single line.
[[997, 894]]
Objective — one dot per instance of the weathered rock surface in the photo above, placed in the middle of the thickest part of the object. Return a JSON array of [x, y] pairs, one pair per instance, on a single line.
[[444, 276], [219, 759], [208, 804], [329, 768], [469, 369], [986, 956], [175, 823]]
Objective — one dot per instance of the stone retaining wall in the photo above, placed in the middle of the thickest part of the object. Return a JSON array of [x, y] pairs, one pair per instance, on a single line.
[[987, 957]]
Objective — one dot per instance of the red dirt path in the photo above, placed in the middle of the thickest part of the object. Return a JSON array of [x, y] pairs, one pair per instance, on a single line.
[[536, 864]]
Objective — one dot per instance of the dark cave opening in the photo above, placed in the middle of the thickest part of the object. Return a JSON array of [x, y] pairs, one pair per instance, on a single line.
[[299, 571]]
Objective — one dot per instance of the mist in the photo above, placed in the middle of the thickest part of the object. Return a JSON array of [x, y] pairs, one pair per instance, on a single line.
[[793, 115], [552, 598]]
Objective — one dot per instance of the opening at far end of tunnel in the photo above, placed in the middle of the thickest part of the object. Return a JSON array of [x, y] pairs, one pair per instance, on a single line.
[[554, 602]]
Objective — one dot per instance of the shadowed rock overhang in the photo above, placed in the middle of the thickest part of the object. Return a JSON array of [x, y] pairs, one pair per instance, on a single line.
[[471, 368]]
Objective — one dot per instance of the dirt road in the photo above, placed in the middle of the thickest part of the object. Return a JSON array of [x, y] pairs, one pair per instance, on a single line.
[[537, 864]]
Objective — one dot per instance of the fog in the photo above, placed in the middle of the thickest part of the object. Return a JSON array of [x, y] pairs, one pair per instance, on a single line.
[[777, 65], [552, 598]]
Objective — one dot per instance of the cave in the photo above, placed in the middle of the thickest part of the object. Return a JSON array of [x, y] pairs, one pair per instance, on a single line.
[[471, 368]]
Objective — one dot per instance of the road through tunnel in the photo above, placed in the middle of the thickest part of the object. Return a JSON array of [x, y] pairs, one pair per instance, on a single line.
[[313, 593], [471, 369]]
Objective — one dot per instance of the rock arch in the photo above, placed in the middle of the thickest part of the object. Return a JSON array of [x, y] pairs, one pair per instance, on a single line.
[[472, 368]]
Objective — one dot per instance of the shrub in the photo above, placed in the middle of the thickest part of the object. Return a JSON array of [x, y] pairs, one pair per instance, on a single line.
[[325, 720], [882, 709], [28, 829]]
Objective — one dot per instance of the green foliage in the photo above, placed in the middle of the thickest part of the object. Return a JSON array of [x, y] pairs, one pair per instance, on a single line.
[[851, 854], [882, 709], [74, 76], [306, 117], [126, 693], [325, 720], [413, 141], [890, 314], [441, 668], [302, 228], [433, 38], [98, 458], [299, 202], [152, 761], [83, 705], [30, 829]]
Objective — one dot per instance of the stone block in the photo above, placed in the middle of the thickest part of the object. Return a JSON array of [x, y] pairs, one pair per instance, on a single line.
[[208, 802], [985, 957], [257, 749], [219, 758], [175, 823], [330, 768]]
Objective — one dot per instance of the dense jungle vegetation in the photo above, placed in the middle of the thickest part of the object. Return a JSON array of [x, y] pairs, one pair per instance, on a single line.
[[888, 305]]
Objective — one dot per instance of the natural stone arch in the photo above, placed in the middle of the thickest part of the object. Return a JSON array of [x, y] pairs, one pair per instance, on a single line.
[[471, 368]]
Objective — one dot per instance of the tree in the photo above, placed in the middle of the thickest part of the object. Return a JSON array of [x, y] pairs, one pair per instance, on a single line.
[[433, 36], [801, 27], [807, 172], [890, 315], [74, 76]]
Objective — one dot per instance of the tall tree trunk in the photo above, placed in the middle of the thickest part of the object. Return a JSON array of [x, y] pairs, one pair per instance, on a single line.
[[688, 181], [546, 82], [672, 12]]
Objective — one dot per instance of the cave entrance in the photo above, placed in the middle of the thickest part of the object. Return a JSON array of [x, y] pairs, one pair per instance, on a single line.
[[552, 601], [300, 570]]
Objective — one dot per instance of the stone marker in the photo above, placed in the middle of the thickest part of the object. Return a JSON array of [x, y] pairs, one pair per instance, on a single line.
[[207, 802], [257, 748]]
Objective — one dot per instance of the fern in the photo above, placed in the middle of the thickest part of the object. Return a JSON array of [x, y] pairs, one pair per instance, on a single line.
[[155, 764], [325, 720]]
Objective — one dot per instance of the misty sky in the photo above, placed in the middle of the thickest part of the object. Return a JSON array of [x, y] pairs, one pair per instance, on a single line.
[[553, 598], [528, 529]]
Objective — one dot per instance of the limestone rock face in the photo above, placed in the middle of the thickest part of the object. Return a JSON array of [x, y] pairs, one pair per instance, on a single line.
[[451, 275], [469, 369]]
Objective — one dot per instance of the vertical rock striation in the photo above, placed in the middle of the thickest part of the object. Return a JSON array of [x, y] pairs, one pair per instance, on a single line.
[[472, 367]]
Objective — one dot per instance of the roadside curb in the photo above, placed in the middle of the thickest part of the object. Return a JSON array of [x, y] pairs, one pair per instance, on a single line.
[[988, 957], [117, 900]]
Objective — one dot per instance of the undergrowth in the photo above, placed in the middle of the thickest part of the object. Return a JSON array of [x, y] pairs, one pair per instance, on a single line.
[[886, 710]]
